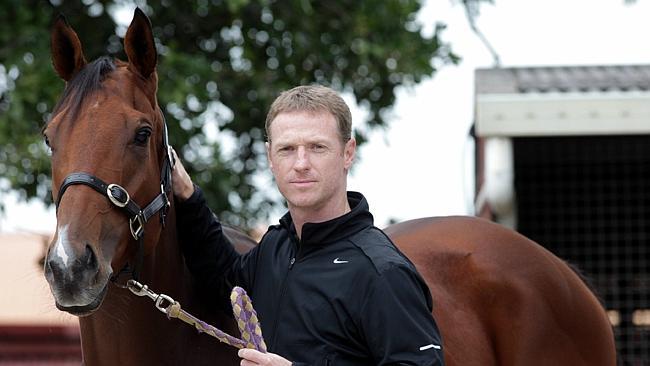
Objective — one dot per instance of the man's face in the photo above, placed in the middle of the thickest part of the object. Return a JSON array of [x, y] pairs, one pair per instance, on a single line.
[[308, 159]]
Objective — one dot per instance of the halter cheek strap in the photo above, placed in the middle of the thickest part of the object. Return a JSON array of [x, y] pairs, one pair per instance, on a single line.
[[120, 198]]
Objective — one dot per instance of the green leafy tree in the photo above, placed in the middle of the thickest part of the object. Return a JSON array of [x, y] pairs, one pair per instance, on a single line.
[[222, 63]]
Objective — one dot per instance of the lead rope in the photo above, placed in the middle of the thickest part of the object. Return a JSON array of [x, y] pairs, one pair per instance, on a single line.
[[242, 307]]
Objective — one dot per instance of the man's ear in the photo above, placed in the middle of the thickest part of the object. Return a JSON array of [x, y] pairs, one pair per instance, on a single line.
[[349, 152], [268, 154]]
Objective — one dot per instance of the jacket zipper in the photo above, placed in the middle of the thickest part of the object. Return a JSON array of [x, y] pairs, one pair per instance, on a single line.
[[297, 255], [292, 261]]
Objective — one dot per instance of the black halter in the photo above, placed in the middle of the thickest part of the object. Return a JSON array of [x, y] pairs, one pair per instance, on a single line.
[[119, 197]]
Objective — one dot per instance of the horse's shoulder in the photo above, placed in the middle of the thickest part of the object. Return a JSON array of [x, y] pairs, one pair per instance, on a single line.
[[484, 254]]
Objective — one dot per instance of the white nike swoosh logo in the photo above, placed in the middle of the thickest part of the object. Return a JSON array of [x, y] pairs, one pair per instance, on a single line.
[[338, 261], [428, 346]]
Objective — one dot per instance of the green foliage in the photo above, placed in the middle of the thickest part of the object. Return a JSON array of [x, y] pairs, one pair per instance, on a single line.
[[222, 62]]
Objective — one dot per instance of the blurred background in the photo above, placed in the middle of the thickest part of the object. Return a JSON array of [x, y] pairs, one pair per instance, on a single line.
[[534, 114]]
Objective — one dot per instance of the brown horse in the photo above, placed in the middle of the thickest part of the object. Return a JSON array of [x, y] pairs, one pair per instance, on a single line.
[[107, 127], [499, 299]]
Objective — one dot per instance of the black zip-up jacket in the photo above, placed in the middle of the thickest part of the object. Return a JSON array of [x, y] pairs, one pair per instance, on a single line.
[[341, 295]]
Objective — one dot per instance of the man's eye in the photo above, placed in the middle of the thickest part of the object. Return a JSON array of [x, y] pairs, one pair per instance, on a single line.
[[142, 135]]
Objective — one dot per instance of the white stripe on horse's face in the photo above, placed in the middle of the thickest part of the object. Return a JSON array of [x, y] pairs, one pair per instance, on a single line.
[[62, 244]]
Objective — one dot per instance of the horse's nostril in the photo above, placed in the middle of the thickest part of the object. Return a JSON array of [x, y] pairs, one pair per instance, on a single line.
[[90, 259], [54, 268]]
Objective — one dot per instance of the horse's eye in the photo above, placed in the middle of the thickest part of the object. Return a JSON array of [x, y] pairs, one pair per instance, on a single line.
[[142, 135], [47, 141]]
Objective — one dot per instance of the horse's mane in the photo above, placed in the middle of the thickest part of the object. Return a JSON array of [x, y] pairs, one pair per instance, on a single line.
[[85, 82]]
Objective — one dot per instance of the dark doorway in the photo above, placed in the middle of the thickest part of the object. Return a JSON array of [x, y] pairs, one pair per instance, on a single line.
[[587, 199]]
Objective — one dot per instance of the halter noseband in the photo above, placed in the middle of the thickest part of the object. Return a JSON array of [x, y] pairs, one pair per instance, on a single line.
[[120, 198]]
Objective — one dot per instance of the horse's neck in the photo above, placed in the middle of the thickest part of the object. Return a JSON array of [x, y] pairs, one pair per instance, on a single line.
[[126, 320], [164, 270]]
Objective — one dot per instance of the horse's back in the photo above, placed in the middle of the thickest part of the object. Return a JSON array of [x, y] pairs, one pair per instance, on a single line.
[[241, 241], [501, 299]]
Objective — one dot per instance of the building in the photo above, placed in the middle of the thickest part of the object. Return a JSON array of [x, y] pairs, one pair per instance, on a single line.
[[563, 156], [32, 330]]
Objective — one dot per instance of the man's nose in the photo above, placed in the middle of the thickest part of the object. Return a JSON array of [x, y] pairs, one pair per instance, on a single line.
[[302, 159]]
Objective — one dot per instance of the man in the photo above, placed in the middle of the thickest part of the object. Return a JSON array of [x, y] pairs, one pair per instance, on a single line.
[[329, 287]]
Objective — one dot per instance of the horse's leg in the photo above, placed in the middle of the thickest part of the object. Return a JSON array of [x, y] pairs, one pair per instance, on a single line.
[[538, 323]]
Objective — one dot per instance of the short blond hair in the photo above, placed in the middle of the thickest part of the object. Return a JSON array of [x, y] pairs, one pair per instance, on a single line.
[[312, 98]]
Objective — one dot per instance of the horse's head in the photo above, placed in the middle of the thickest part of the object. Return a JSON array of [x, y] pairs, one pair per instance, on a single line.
[[108, 142]]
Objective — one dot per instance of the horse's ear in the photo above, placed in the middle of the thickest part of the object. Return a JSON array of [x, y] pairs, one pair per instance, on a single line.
[[139, 45], [67, 54]]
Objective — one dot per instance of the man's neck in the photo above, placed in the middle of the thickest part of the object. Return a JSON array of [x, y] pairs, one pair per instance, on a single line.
[[301, 216]]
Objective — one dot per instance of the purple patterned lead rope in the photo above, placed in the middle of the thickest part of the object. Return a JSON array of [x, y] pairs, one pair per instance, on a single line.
[[245, 315], [247, 321]]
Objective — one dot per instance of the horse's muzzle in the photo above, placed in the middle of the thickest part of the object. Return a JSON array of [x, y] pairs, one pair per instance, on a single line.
[[76, 281]]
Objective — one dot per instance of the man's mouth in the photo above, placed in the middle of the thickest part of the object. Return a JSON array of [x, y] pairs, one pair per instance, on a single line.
[[302, 182]]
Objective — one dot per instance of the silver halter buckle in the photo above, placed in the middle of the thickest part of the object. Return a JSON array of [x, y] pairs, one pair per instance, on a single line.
[[113, 199]]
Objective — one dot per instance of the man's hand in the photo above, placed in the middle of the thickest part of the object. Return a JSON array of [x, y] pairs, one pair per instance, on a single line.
[[251, 357], [181, 181]]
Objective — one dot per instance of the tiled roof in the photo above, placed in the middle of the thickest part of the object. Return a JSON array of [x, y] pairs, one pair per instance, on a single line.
[[563, 79]]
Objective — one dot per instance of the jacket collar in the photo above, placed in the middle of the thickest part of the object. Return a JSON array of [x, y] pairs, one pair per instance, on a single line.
[[336, 229]]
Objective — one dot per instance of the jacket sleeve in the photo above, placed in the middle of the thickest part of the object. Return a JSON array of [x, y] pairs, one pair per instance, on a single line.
[[208, 253], [397, 322]]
